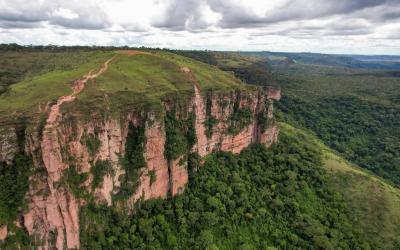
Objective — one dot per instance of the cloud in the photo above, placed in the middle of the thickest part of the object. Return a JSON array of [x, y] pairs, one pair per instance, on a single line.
[[290, 25], [236, 15], [19, 25], [309, 9], [186, 15], [202, 14], [70, 14]]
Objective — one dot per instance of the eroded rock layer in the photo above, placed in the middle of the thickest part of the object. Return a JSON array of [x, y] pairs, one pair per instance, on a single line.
[[227, 121]]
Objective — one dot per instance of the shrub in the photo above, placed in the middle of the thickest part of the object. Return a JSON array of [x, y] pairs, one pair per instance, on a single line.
[[176, 141], [99, 170], [92, 143], [240, 118], [133, 160], [74, 180], [153, 176], [14, 184]]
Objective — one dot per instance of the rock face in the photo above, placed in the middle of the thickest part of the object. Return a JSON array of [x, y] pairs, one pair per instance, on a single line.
[[238, 119], [3, 232]]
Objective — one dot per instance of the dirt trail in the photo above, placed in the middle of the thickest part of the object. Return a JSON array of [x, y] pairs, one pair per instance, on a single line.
[[79, 85], [60, 207], [199, 108]]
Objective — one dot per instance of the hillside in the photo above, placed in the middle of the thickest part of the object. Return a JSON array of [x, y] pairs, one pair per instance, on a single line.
[[149, 149], [39, 87], [370, 62], [118, 129], [372, 203], [298, 194], [355, 112]]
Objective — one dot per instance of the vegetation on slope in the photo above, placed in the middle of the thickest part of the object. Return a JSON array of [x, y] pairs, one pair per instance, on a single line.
[[250, 69], [132, 161], [260, 199], [352, 109], [366, 133], [299, 194], [99, 170], [373, 204], [180, 135], [14, 183], [356, 115], [344, 61]]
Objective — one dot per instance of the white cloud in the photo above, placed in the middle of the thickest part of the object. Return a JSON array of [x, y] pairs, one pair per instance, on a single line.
[[65, 13], [332, 26]]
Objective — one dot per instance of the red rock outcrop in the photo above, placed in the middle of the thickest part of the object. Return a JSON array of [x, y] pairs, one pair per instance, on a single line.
[[178, 175], [57, 211], [156, 165], [53, 214], [273, 92], [3, 232]]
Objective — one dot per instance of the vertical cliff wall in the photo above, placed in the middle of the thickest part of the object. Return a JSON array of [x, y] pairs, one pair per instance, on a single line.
[[119, 161]]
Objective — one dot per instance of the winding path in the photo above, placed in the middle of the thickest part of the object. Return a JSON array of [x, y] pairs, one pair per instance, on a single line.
[[78, 86], [60, 209]]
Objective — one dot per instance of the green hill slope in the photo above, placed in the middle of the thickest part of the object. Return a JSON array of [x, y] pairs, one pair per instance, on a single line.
[[147, 79], [372, 204], [25, 98], [143, 79]]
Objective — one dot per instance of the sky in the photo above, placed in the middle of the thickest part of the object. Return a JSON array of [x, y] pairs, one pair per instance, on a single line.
[[326, 26]]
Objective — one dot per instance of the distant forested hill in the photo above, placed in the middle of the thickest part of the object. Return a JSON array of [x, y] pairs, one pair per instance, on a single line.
[[353, 109]]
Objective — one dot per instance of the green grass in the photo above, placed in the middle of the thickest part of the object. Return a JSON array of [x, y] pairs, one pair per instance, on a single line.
[[233, 60], [24, 98], [144, 74], [208, 77], [16, 66], [134, 82], [145, 81]]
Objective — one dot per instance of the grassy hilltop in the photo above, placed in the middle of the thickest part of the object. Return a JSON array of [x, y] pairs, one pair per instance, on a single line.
[[131, 80]]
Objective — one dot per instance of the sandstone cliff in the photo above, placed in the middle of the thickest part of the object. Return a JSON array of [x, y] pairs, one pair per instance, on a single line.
[[95, 152]]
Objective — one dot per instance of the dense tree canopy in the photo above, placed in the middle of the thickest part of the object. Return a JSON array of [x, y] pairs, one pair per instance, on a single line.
[[259, 199], [364, 132]]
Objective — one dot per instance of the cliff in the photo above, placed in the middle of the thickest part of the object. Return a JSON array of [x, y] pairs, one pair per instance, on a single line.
[[140, 153]]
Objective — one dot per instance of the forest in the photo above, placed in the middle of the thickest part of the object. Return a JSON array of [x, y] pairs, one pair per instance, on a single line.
[[365, 133], [259, 199]]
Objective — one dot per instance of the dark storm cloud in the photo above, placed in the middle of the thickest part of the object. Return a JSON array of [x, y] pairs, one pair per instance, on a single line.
[[23, 14]]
